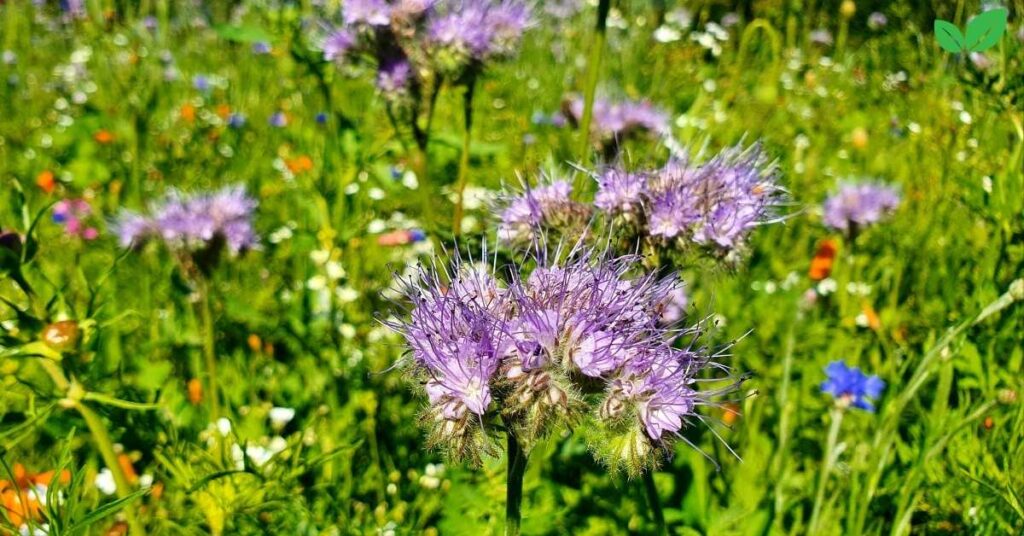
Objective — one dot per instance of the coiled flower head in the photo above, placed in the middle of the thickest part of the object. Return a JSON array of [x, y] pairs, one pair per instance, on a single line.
[[579, 340]]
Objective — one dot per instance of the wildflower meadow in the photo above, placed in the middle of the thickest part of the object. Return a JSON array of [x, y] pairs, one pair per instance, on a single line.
[[469, 267]]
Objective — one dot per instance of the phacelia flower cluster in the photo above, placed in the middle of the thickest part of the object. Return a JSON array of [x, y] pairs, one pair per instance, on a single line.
[[548, 206], [854, 206], [715, 204], [582, 339], [410, 39], [851, 387], [612, 123], [192, 225]]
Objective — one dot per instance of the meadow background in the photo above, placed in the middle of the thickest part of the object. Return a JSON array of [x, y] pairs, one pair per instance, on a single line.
[[122, 101]]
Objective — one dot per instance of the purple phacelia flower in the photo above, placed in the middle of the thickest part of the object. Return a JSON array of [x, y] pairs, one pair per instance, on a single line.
[[193, 223], [715, 204], [150, 23], [851, 387], [614, 122], [531, 346], [393, 78], [368, 12], [857, 205], [337, 44], [545, 204], [620, 191], [478, 30]]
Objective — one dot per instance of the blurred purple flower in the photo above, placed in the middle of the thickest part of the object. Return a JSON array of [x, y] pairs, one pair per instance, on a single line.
[[337, 44], [368, 12], [393, 78], [856, 205], [821, 37], [201, 83], [260, 48], [192, 223], [279, 120]]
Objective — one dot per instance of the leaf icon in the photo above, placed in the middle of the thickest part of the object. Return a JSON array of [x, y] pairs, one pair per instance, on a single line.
[[985, 30], [949, 36]]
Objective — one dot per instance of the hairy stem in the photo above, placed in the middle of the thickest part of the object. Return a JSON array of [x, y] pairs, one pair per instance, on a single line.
[[209, 353], [654, 503], [514, 484]]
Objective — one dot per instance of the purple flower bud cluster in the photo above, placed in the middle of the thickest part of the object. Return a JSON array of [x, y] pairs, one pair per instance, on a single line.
[[194, 223], [854, 206], [582, 335]]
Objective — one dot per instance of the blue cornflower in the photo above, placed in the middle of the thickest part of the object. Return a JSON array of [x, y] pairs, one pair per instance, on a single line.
[[851, 387], [201, 83]]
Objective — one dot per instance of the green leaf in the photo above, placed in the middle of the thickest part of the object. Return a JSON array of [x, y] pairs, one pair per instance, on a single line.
[[242, 34], [984, 31], [949, 36]]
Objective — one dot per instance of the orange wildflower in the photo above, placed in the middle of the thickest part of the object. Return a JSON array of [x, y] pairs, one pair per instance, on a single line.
[[195, 391], [188, 112], [871, 315], [103, 136], [223, 111], [300, 164], [20, 499], [730, 413], [46, 181], [255, 344], [821, 264]]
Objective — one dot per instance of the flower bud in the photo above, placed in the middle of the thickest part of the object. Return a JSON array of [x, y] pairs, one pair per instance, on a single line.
[[62, 335], [847, 9]]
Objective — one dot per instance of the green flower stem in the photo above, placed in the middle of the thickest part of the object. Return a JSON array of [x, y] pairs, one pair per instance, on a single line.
[[209, 353], [101, 437], [460, 185], [827, 464], [514, 484], [593, 75], [654, 502]]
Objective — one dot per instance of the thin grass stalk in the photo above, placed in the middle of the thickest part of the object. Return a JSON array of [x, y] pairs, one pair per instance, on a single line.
[[826, 470], [593, 75], [460, 185], [101, 437]]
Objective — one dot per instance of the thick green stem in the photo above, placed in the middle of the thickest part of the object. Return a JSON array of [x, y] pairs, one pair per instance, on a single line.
[[101, 437], [593, 75], [654, 503], [826, 470], [514, 485], [460, 185], [209, 352]]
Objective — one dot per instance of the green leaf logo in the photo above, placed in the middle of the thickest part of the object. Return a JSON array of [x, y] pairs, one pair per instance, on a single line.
[[983, 32]]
